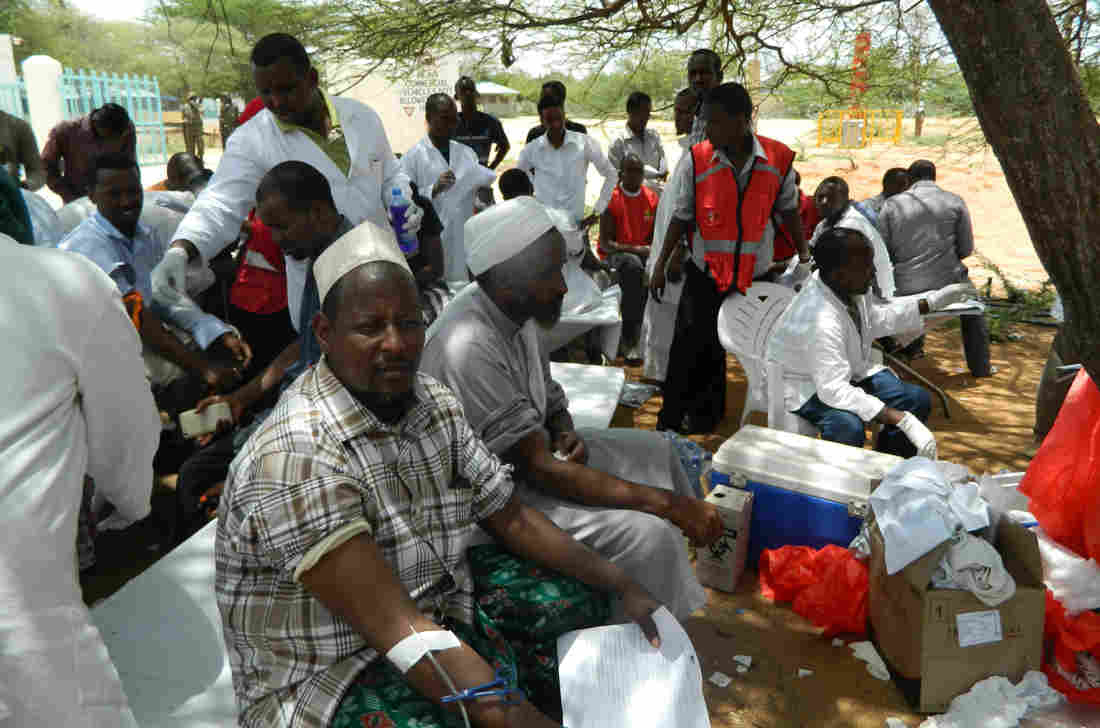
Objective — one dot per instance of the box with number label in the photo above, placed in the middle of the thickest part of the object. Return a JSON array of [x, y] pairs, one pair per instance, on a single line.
[[720, 565], [939, 642]]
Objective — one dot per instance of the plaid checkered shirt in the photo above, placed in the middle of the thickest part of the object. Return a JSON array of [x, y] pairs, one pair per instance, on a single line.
[[320, 462]]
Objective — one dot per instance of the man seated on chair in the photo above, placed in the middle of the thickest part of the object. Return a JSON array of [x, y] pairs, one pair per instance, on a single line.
[[894, 182], [626, 234], [837, 210], [346, 527], [823, 344], [127, 250], [621, 491]]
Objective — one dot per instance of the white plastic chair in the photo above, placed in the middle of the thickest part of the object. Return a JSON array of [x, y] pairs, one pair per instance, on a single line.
[[744, 325]]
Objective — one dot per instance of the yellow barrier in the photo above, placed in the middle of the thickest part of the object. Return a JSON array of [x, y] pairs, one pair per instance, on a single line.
[[873, 124]]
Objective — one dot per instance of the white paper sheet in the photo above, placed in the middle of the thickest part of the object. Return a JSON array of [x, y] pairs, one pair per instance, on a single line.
[[611, 677]]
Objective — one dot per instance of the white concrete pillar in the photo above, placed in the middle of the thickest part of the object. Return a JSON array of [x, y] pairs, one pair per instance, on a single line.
[[7, 60], [42, 75]]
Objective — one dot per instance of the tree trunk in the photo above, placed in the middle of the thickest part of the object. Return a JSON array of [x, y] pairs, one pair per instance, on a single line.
[[1031, 106]]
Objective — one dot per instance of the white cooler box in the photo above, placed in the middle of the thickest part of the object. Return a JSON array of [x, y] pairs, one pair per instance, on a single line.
[[806, 491]]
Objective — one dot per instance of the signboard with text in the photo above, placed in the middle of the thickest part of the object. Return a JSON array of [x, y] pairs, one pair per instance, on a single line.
[[398, 95]]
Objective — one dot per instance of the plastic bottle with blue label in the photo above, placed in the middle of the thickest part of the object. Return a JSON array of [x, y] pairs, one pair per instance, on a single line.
[[398, 207]]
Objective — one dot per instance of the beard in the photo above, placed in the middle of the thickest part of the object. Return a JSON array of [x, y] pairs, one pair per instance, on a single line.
[[548, 316]]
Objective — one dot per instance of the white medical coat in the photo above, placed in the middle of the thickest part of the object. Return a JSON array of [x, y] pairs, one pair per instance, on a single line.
[[424, 164], [215, 219], [853, 219], [823, 353], [76, 401]]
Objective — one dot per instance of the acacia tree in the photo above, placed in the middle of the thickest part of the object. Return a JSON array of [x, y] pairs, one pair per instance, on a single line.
[[1033, 110], [1022, 79]]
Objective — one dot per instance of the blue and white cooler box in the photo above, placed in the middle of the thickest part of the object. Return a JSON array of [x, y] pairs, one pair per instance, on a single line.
[[806, 491]]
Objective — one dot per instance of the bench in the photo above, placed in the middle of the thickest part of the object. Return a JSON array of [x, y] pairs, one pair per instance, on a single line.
[[163, 629]]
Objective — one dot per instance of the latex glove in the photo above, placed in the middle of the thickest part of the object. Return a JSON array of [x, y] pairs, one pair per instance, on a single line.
[[919, 435], [954, 293], [801, 272], [413, 215], [169, 277]]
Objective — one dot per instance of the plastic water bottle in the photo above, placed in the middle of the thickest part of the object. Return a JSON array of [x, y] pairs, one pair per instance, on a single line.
[[398, 207]]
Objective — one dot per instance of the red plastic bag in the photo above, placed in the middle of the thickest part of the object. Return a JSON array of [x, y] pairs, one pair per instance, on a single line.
[[829, 586], [1062, 478], [1067, 639]]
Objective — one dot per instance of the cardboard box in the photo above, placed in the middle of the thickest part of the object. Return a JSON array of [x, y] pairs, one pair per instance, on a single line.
[[919, 631], [721, 564]]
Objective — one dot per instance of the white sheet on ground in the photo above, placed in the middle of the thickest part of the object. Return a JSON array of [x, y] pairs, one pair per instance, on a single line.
[[612, 677], [997, 703]]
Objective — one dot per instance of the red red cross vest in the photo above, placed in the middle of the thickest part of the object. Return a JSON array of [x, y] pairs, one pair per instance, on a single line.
[[731, 221]]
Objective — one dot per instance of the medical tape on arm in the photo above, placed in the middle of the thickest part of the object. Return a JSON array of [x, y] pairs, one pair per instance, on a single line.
[[412, 649]]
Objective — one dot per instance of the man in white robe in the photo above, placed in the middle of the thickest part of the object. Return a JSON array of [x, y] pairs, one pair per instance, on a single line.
[[76, 401], [622, 492]]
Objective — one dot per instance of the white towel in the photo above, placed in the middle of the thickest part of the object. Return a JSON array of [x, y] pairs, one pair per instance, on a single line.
[[972, 564], [918, 506]]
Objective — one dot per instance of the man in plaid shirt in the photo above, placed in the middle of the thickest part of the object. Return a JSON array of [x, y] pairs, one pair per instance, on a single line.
[[345, 525]]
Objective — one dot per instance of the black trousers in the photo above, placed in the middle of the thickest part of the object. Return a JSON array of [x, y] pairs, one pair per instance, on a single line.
[[695, 386], [631, 270]]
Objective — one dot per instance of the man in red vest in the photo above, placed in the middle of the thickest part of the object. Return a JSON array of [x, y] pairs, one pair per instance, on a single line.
[[626, 233], [730, 184]]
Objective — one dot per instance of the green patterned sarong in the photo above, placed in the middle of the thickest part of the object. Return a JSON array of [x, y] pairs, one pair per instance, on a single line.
[[522, 610]]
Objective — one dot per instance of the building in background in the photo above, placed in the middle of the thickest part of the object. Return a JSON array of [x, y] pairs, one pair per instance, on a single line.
[[498, 100]]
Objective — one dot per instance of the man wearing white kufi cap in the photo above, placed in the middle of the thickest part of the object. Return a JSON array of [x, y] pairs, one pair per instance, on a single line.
[[622, 492], [346, 525]]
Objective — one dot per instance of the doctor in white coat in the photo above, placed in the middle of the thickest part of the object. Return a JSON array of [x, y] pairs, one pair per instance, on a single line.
[[449, 173], [342, 138], [75, 401]]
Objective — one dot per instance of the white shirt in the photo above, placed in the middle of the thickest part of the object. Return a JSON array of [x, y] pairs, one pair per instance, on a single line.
[[424, 164], [215, 219], [853, 219], [822, 352], [560, 175], [647, 147], [75, 401]]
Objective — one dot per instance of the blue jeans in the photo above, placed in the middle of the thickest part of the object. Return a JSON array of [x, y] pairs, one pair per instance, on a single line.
[[837, 425]]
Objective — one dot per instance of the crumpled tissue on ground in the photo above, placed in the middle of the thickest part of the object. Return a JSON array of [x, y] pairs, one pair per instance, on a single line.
[[973, 565], [997, 703], [920, 504], [875, 664]]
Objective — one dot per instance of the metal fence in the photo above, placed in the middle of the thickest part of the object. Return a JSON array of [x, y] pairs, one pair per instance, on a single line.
[[82, 91], [13, 99], [858, 127]]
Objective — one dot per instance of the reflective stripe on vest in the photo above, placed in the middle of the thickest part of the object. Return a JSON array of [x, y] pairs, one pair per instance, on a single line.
[[732, 220], [757, 168], [730, 246], [256, 259]]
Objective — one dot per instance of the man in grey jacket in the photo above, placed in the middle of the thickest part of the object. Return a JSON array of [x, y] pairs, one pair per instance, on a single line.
[[928, 233]]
